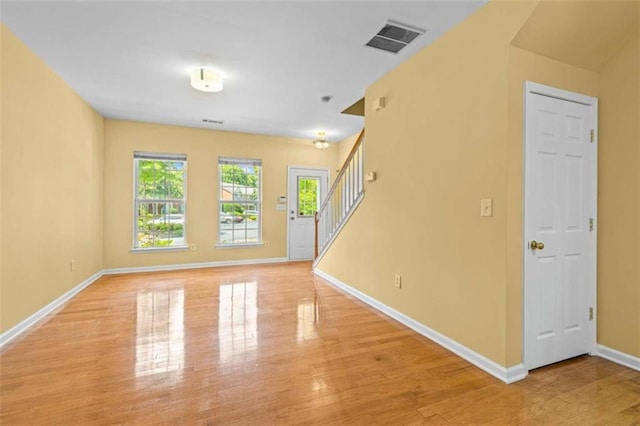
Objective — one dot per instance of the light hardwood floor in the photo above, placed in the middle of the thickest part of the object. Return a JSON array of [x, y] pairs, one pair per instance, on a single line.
[[273, 345]]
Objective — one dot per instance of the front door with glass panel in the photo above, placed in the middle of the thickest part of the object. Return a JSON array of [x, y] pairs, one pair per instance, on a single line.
[[307, 188]]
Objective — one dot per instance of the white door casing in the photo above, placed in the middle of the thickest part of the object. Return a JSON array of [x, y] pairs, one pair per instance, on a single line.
[[560, 182], [300, 226]]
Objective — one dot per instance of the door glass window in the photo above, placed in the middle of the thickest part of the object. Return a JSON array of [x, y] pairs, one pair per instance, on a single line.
[[307, 196]]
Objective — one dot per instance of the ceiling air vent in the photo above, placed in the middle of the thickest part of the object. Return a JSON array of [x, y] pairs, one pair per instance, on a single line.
[[394, 37], [206, 120]]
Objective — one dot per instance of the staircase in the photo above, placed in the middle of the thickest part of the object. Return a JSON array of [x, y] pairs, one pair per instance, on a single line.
[[346, 193]]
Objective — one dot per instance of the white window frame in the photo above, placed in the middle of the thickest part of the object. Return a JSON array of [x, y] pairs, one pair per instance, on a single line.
[[258, 202], [139, 155]]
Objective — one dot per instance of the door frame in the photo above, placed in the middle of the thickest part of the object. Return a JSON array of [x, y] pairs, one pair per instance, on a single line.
[[323, 169], [530, 89]]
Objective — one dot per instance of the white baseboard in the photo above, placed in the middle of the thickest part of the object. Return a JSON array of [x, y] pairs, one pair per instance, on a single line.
[[174, 267], [34, 318], [506, 374], [618, 357]]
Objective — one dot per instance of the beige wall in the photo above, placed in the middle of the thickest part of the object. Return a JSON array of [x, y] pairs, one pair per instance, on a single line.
[[344, 148], [203, 147], [583, 33], [439, 147], [52, 165], [619, 201], [523, 66], [452, 134]]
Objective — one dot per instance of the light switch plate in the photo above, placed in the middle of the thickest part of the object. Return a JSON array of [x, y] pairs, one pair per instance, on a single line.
[[486, 207]]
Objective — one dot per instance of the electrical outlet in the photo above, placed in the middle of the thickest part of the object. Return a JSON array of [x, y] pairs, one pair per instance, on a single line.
[[72, 266], [192, 246], [267, 243], [397, 281]]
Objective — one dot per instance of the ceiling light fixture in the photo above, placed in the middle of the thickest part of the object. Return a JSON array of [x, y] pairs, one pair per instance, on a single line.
[[206, 80], [321, 142]]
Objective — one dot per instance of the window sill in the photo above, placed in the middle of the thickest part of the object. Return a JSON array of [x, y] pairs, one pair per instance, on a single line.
[[232, 246], [158, 249]]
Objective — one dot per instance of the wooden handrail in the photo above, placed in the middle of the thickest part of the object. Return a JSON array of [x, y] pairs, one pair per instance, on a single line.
[[342, 171]]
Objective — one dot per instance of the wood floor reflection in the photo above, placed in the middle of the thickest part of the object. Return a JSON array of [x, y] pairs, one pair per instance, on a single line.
[[272, 344]]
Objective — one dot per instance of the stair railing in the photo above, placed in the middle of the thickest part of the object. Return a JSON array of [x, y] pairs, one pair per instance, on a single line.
[[344, 196]]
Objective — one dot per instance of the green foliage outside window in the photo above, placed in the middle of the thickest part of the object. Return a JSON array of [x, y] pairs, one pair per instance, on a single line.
[[234, 174], [160, 202], [232, 208], [160, 180], [307, 196]]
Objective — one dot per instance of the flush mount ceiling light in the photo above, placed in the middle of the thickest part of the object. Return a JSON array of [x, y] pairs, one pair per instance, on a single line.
[[206, 80], [321, 142]]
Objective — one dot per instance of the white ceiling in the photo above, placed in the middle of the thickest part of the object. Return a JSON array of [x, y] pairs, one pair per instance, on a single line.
[[130, 60]]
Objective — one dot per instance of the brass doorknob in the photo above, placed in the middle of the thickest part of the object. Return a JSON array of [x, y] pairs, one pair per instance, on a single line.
[[536, 245]]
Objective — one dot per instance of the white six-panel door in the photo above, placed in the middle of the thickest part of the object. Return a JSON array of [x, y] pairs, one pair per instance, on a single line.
[[559, 224]]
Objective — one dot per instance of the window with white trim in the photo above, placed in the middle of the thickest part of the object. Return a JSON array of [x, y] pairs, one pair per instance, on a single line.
[[239, 202], [159, 200]]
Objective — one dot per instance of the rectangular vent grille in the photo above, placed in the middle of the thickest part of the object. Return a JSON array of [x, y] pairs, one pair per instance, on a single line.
[[394, 37], [206, 120]]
